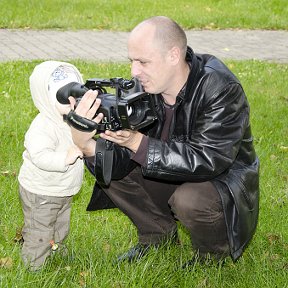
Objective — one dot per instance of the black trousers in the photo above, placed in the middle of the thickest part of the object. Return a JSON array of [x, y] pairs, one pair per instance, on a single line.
[[154, 207]]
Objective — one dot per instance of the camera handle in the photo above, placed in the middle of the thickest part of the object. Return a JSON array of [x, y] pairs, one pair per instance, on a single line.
[[81, 123], [103, 162]]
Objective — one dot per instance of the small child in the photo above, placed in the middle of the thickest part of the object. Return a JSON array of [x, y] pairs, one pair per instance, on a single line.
[[52, 169]]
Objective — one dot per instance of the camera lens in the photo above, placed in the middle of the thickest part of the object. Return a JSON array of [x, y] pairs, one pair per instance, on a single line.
[[136, 112]]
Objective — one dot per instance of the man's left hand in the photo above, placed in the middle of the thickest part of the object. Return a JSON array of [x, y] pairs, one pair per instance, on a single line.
[[126, 138]]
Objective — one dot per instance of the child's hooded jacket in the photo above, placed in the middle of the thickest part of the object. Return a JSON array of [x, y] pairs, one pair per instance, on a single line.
[[49, 137]]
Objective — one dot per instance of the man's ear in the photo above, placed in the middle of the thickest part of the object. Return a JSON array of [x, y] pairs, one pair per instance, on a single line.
[[174, 55]]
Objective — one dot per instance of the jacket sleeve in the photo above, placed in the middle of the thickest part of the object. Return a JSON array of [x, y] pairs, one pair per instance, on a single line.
[[213, 141], [40, 144]]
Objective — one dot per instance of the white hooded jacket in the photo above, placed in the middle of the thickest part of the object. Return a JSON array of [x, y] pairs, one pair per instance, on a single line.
[[48, 138]]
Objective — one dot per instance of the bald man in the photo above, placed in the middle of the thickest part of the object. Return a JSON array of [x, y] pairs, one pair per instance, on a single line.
[[195, 164]]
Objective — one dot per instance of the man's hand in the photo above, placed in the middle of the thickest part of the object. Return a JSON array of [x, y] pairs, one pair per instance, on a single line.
[[126, 138], [87, 108]]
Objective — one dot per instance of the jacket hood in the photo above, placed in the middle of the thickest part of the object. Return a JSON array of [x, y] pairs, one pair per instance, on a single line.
[[45, 81]]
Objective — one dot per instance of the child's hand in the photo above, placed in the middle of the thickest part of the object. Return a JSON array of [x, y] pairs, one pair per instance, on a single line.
[[73, 153]]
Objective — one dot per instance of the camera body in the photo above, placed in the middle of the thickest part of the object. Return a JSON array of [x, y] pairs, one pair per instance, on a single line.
[[129, 108]]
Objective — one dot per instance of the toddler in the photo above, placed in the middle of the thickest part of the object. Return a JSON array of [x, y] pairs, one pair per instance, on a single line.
[[52, 169]]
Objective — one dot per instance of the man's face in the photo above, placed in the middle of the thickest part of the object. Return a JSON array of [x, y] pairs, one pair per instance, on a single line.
[[149, 63]]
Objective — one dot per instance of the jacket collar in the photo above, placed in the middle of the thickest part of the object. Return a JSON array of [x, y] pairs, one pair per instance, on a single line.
[[195, 72]]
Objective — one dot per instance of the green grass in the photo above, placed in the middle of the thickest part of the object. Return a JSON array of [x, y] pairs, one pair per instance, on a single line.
[[97, 237], [123, 15]]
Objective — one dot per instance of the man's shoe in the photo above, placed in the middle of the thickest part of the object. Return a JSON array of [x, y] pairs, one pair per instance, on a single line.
[[135, 253], [138, 251], [207, 260]]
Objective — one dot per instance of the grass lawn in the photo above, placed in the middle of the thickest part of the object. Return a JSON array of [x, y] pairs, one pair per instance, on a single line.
[[97, 237], [124, 15]]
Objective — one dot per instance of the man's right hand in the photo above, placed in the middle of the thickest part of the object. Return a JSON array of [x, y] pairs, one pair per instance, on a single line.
[[87, 108]]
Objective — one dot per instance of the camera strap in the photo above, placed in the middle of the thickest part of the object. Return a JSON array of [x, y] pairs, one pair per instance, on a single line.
[[82, 123], [103, 161], [104, 148]]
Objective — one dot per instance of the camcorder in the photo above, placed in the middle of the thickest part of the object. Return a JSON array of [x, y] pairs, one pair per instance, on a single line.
[[129, 108]]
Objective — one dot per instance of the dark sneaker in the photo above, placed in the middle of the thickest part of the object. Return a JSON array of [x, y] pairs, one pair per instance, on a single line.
[[206, 260], [138, 251], [135, 253]]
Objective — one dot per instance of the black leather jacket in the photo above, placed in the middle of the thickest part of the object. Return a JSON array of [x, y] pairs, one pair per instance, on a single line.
[[210, 140]]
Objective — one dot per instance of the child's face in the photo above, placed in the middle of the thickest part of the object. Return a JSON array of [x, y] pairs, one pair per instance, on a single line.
[[63, 108]]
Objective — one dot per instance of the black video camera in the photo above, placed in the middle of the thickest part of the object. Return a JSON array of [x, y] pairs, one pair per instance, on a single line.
[[129, 108]]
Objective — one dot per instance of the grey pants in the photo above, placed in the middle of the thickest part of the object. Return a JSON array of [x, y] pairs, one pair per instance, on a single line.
[[46, 218], [154, 206]]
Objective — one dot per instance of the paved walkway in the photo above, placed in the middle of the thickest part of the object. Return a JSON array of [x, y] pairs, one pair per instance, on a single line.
[[111, 46]]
